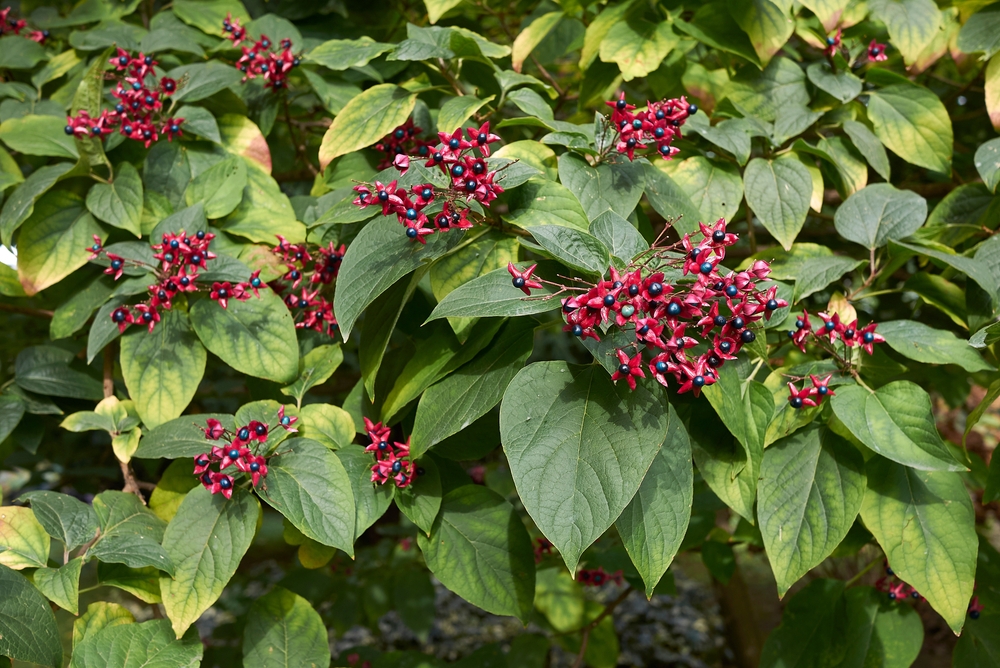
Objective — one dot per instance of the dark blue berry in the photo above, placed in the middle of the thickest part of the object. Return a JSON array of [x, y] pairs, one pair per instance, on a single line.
[[225, 483], [116, 264], [799, 324], [829, 325], [732, 291], [255, 467], [674, 309], [698, 381], [426, 193], [95, 247], [118, 316], [737, 323], [577, 330], [706, 267], [147, 317], [286, 420], [631, 142], [876, 51], [718, 236], [136, 86], [382, 445], [437, 157], [294, 274], [175, 244], [518, 282], [609, 300], [234, 453], [868, 337], [659, 132], [633, 290], [725, 346], [255, 281], [185, 281], [642, 331], [261, 430], [175, 128], [660, 115], [481, 138], [637, 124], [692, 109], [720, 320], [454, 144], [68, 129], [120, 108], [122, 60], [771, 305], [478, 167], [457, 170], [383, 196], [400, 133], [620, 105], [747, 336], [661, 367], [243, 434], [831, 41], [411, 214], [397, 466], [411, 232], [848, 333], [655, 289], [470, 185], [196, 258], [128, 129], [713, 361], [201, 462], [623, 369], [795, 402], [207, 479]]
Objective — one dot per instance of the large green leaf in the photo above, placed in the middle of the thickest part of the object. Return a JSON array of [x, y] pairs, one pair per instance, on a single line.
[[531, 36], [119, 203], [869, 146], [762, 93], [46, 370], [54, 241], [599, 28], [578, 447], [912, 24], [914, 124], [28, 629], [263, 211], [880, 213], [17, 52], [64, 517], [182, 437], [576, 249], [479, 549], [543, 202], [880, 632], [812, 630], [341, 54], [283, 631], [38, 135], [379, 256], [896, 422], [202, 80], [162, 368], [458, 110], [842, 85], [927, 344], [378, 325], [637, 46], [670, 200], [315, 368], [142, 645], [608, 187], [61, 585], [618, 235], [714, 187], [330, 425], [655, 521], [23, 540], [493, 295], [809, 494], [766, 23], [454, 403], [925, 523], [308, 485], [21, 203], [206, 540], [130, 533], [366, 119], [778, 191], [219, 188], [256, 336]]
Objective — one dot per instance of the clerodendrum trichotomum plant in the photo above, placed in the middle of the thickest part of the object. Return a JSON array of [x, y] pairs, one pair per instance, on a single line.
[[532, 334]]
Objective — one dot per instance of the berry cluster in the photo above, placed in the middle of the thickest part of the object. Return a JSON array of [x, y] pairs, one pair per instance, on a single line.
[[471, 179], [311, 310], [262, 59], [181, 257], [810, 396], [662, 315], [139, 113], [392, 459], [832, 330], [403, 141], [659, 124], [596, 577], [876, 51], [12, 26], [236, 451]]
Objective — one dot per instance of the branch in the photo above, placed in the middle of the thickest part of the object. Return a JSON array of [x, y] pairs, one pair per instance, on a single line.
[[609, 608], [26, 310]]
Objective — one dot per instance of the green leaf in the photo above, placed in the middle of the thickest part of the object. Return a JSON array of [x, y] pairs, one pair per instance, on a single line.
[[256, 336], [919, 342], [378, 257], [543, 202], [767, 24], [183, 437], [479, 549], [421, 501], [980, 32], [492, 295], [39, 135], [809, 494], [599, 28], [241, 136], [896, 422], [842, 85], [200, 122], [119, 203], [307, 484], [879, 213], [342, 54], [779, 192], [458, 110], [925, 523], [219, 188], [914, 124], [575, 249], [366, 119], [12, 409], [454, 403], [782, 83], [315, 368], [912, 24], [61, 585], [207, 15], [637, 46], [283, 631], [330, 425], [714, 187], [713, 25], [378, 325], [138, 646], [143, 583], [64, 517], [263, 212], [20, 53], [608, 187], [28, 630], [55, 240], [74, 313], [618, 236], [438, 8], [812, 628], [531, 36], [573, 473], [655, 521], [99, 615], [206, 540], [21, 203], [45, 370], [869, 146], [177, 480], [162, 368], [880, 632], [130, 533], [23, 541], [202, 80], [370, 501], [670, 200]]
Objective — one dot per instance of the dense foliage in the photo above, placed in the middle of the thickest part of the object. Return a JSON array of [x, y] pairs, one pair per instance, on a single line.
[[528, 297]]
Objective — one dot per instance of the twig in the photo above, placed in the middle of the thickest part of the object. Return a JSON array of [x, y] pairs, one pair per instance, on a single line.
[[608, 609], [862, 572], [26, 310], [300, 149]]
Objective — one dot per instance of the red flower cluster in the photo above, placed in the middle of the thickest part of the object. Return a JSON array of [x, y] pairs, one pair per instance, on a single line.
[[236, 452], [543, 547], [471, 179], [810, 396], [876, 52], [403, 141], [12, 26], [834, 329], [896, 588], [354, 661], [138, 113], [392, 459], [660, 124], [261, 60], [663, 315], [833, 44], [596, 577], [314, 311]]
